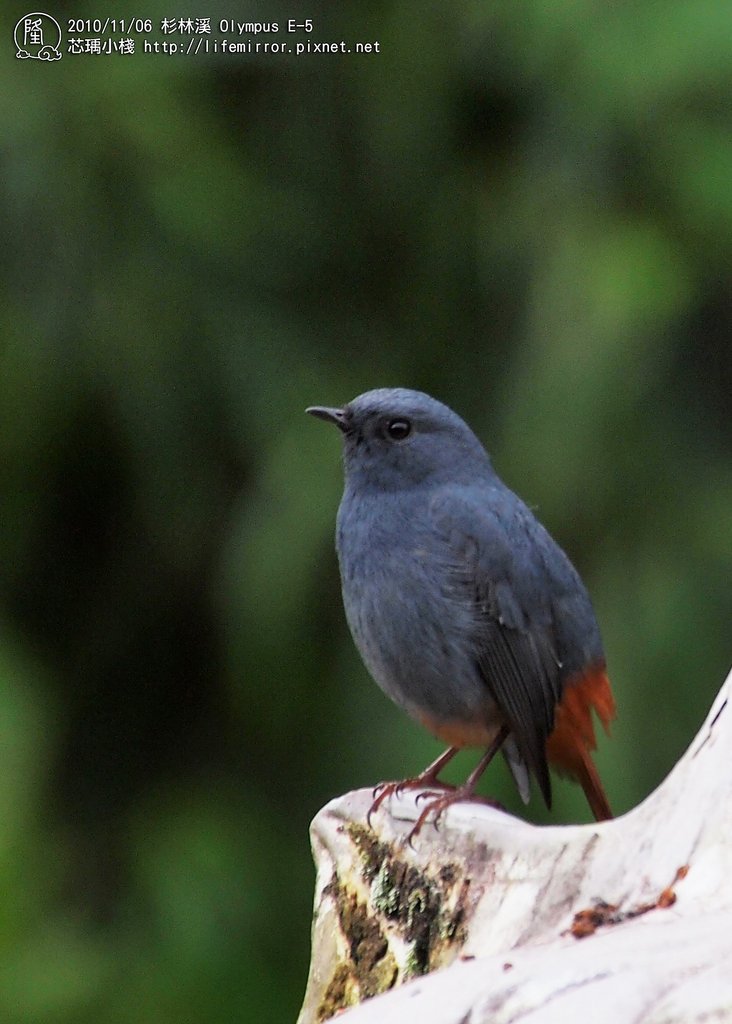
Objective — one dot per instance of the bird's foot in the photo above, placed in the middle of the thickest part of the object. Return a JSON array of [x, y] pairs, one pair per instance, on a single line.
[[437, 806], [386, 789]]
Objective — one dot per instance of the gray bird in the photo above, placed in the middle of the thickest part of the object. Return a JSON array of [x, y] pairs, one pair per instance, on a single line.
[[465, 611]]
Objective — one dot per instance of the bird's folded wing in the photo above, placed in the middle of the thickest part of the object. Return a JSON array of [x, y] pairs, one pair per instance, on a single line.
[[514, 644]]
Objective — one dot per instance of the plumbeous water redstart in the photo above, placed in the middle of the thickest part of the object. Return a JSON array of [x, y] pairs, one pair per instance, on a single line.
[[464, 609]]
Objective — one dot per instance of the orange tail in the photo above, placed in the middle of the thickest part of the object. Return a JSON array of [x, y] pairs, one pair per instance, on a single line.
[[570, 746]]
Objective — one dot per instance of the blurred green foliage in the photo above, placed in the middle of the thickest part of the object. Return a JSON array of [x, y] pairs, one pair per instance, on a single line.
[[523, 209]]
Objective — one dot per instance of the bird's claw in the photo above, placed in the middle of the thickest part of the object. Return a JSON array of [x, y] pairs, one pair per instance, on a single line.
[[427, 794], [444, 792]]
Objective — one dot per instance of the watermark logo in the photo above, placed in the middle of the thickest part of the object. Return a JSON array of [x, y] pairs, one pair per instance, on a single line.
[[38, 37]]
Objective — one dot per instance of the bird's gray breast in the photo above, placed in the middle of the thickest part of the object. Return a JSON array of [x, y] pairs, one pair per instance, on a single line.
[[410, 607]]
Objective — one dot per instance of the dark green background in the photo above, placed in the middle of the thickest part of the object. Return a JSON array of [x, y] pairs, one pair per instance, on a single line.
[[525, 209]]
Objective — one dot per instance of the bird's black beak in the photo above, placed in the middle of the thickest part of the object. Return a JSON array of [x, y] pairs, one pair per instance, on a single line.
[[337, 416]]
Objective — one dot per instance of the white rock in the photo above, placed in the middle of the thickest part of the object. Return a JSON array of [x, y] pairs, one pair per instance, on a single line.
[[488, 902]]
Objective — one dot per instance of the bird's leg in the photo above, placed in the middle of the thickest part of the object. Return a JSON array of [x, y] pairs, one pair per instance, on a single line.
[[426, 778], [442, 801]]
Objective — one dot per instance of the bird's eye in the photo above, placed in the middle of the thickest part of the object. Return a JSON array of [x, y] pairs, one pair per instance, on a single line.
[[398, 430]]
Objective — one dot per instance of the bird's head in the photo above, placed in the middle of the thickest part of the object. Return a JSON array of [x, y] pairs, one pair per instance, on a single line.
[[397, 438]]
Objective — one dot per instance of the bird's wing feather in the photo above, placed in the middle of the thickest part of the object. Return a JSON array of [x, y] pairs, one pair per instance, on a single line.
[[514, 644]]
